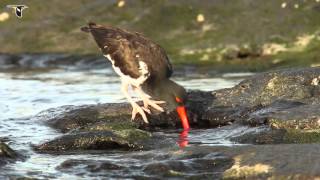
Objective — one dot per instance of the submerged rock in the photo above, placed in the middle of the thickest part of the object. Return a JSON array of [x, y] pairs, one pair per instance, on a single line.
[[7, 154], [296, 161], [291, 161], [152, 164]]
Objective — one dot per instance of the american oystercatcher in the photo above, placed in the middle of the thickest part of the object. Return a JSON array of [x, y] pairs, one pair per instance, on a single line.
[[143, 65]]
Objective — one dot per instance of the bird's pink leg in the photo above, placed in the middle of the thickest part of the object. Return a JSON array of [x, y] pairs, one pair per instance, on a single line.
[[135, 107]]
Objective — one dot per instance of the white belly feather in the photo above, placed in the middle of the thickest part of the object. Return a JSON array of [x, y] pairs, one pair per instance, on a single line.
[[143, 69]]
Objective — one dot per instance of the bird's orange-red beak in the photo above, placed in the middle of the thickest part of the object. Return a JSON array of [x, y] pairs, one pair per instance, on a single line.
[[181, 109]]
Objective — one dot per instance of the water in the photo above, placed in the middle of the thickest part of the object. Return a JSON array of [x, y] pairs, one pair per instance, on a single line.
[[24, 94]]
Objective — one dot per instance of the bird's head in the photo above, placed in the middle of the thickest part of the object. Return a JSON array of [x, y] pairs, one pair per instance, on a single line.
[[180, 98], [175, 97]]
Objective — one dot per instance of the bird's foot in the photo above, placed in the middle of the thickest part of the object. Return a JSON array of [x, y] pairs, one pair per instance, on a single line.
[[155, 104], [137, 109]]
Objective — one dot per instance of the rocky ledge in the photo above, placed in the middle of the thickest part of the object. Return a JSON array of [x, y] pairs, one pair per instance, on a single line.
[[284, 103]]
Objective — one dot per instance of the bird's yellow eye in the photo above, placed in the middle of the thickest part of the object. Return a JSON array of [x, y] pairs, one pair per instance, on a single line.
[[178, 100]]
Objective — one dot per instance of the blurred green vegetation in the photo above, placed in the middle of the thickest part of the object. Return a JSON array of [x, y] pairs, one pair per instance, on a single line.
[[244, 25]]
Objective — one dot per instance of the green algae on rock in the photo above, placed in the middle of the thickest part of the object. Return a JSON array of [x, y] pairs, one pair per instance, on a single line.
[[85, 141]]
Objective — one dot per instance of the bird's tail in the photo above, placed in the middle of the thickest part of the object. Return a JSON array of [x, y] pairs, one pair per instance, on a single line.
[[90, 26]]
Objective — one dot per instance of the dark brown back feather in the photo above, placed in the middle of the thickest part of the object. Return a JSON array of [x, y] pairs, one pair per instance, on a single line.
[[128, 48]]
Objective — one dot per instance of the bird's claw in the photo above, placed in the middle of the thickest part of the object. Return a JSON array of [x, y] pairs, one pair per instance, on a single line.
[[148, 102], [146, 110], [137, 109]]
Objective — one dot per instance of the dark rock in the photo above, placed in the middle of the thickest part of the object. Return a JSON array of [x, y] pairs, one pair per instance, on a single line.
[[101, 136], [297, 161], [278, 136], [68, 118], [287, 122], [304, 117], [152, 165], [266, 136], [261, 114], [291, 161], [17, 177], [284, 100], [265, 88], [96, 140], [90, 165], [7, 154]]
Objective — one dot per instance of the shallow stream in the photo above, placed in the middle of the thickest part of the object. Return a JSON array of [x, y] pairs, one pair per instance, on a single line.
[[23, 94]]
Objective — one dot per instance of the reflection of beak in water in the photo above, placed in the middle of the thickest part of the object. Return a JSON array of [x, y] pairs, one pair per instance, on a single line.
[[183, 138]]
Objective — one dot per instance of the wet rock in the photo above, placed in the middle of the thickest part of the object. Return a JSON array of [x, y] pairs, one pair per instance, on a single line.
[[278, 136], [7, 154], [127, 139], [272, 161], [209, 166], [285, 101], [105, 135], [152, 165], [109, 126], [89, 165], [286, 122], [265, 136], [68, 118], [263, 114], [265, 88], [304, 117]]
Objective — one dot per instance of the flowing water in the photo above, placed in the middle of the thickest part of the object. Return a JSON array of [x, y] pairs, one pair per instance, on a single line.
[[24, 94]]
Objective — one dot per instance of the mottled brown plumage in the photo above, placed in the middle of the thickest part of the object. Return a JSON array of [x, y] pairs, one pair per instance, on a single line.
[[127, 49]]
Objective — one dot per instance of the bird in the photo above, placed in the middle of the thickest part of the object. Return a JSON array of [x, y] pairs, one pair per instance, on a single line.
[[142, 65]]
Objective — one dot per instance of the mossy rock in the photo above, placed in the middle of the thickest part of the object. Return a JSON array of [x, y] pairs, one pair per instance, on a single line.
[[88, 141], [279, 136], [300, 136]]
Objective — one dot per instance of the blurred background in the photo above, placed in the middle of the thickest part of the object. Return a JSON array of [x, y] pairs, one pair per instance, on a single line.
[[232, 35]]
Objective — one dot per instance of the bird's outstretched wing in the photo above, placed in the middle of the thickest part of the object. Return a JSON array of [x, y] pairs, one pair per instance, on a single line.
[[127, 49]]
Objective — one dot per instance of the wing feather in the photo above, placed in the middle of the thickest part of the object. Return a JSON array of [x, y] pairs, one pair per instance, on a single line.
[[128, 49]]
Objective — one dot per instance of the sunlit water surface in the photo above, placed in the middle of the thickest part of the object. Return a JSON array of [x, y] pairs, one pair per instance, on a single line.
[[24, 94]]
